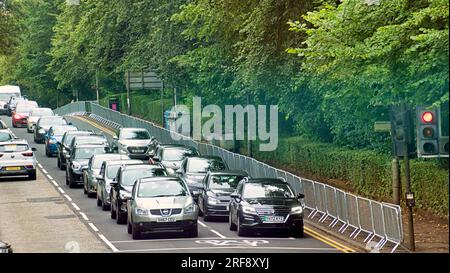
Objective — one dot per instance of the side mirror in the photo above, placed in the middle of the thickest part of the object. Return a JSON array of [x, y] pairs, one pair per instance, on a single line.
[[99, 177], [34, 149], [113, 184], [115, 137], [300, 196], [155, 158]]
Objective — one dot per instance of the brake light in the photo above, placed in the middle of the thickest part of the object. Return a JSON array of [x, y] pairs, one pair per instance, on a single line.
[[27, 154]]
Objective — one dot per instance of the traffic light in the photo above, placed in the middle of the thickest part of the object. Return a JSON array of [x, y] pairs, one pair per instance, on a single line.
[[427, 132], [443, 145], [401, 130]]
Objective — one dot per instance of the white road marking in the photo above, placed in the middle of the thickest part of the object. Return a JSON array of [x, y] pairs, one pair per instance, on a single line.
[[68, 197], [75, 206], [49, 177], [93, 227], [163, 240], [61, 190], [113, 248], [231, 247], [202, 224], [84, 216], [54, 183], [44, 171], [218, 234]]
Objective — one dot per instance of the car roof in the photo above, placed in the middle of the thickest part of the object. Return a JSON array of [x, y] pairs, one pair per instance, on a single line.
[[113, 156], [160, 178], [51, 117], [229, 172], [89, 146], [81, 133], [14, 141], [266, 180], [42, 108], [141, 166], [205, 157], [123, 161], [63, 126], [167, 146]]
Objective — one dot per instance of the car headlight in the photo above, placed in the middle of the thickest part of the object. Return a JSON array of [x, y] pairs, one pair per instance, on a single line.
[[189, 208], [297, 210], [250, 210], [76, 166], [141, 212], [213, 201], [125, 195]]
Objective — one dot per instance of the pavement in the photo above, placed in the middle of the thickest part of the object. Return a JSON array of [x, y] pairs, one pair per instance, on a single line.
[[214, 236]]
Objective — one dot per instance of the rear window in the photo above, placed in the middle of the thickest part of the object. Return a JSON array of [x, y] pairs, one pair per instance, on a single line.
[[52, 121], [11, 148], [41, 112], [5, 136], [24, 108]]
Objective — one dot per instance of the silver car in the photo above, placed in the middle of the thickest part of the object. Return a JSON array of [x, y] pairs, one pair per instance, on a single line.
[[17, 158], [108, 173], [161, 204], [34, 116], [133, 142], [93, 170], [172, 155]]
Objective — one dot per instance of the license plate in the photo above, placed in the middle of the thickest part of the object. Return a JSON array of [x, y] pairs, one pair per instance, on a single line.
[[13, 168], [166, 220], [272, 219], [138, 151]]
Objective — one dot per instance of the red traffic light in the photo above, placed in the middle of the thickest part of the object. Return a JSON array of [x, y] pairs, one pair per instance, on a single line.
[[427, 117]]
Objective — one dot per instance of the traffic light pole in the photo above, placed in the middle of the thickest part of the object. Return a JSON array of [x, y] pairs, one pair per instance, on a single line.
[[412, 244], [396, 181]]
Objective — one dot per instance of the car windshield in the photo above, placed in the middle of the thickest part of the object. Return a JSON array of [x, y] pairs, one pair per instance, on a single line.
[[69, 137], [11, 148], [138, 134], [266, 190], [59, 131], [5, 136], [162, 189], [225, 182], [176, 154], [39, 112], [86, 153], [6, 96], [201, 165], [52, 121], [111, 171], [91, 140], [130, 176], [24, 108]]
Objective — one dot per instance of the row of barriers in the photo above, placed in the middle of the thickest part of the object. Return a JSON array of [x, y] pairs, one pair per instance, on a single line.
[[379, 222]]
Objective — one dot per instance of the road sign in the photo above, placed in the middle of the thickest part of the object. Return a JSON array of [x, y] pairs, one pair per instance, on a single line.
[[140, 80]]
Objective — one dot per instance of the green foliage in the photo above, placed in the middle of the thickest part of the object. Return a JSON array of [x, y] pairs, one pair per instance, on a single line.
[[363, 171]]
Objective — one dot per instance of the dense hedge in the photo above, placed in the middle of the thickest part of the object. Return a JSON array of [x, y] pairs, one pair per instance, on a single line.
[[362, 171]]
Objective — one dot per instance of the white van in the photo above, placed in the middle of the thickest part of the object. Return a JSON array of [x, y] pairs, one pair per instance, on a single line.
[[6, 92]]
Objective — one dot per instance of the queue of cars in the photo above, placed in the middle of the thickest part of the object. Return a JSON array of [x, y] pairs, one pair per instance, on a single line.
[[154, 187]]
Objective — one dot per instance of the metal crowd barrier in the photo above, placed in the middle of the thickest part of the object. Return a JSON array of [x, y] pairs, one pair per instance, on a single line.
[[344, 211]]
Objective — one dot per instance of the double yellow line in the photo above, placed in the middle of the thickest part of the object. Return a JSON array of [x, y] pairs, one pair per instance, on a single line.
[[308, 231]]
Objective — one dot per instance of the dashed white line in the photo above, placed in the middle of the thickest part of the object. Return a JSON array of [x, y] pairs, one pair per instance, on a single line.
[[54, 183], [113, 248], [84, 216], [75, 206], [202, 224], [49, 177], [61, 190], [218, 234], [68, 197], [93, 227], [44, 171]]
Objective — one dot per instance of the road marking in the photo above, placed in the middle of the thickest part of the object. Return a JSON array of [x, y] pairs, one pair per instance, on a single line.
[[98, 126], [93, 227], [328, 240], [201, 223], [61, 190], [44, 171], [68, 197], [113, 248], [218, 234], [84, 216], [75, 206], [49, 177], [54, 183], [162, 240], [231, 247]]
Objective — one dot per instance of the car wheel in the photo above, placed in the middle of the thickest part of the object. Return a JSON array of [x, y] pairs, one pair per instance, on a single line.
[[99, 202], [193, 232], [71, 184], [232, 225], [113, 212], [135, 233], [58, 163], [67, 179], [129, 228], [91, 195], [298, 232], [32, 176], [206, 217], [105, 207], [240, 230], [120, 217]]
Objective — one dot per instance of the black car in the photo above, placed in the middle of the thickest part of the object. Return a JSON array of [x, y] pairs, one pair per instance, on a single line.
[[44, 123], [78, 161], [64, 147], [194, 169], [123, 184], [266, 204], [214, 199]]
